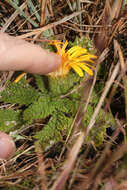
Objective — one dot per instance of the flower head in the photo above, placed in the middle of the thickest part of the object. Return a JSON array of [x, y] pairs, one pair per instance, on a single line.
[[76, 58]]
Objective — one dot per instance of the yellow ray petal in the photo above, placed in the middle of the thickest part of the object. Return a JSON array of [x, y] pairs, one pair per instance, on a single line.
[[77, 49], [75, 55], [91, 66], [64, 47], [88, 56], [87, 69], [84, 59], [84, 63], [57, 44], [77, 70], [58, 48], [19, 77], [92, 56]]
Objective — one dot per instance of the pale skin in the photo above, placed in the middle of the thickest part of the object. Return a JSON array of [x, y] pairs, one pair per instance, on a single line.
[[15, 55]]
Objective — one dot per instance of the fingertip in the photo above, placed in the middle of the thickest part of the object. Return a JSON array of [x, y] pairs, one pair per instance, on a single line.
[[53, 62], [46, 62], [7, 146]]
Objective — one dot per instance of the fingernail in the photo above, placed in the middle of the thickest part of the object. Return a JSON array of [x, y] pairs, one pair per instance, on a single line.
[[7, 146]]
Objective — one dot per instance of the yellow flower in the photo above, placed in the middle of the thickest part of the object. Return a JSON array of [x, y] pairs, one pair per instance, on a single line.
[[76, 58]]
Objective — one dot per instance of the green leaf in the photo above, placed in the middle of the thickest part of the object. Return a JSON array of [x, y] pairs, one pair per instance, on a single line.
[[84, 42], [103, 121], [63, 85], [19, 93], [34, 10], [41, 83], [9, 119], [65, 105], [54, 131], [39, 109]]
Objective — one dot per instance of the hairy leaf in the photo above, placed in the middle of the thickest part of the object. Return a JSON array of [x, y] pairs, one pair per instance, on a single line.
[[9, 119], [19, 93], [57, 127], [42, 108]]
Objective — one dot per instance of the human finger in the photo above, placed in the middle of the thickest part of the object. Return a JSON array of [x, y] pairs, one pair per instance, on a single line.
[[17, 54], [7, 146]]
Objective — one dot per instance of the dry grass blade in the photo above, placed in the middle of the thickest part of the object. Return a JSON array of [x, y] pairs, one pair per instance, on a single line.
[[123, 71], [104, 163], [34, 10], [49, 26], [67, 167], [11, 19], [41, 167], [22, 13], [115, 10], [104, 94], [69, 4], [117, 154], [43, 9], [111, 12]]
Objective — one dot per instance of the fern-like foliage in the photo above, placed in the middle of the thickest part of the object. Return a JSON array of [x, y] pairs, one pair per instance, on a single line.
[[61, 86], [41, 83], [84, 42], [9, 120], [51, 101], [104, 120], [42, 108], [19, 93], [56, 128], [45, 106]]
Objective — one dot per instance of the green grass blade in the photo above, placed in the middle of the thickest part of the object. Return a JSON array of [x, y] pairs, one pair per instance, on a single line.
[[34, 10], [22, 13]]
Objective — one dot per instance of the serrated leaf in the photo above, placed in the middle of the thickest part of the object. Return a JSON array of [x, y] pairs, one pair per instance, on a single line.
[[41, 84], [39, 109], [64, 105], [84, 42], [9, 119], [52, 132], [60, 86], [49, 132], [19, 93]]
